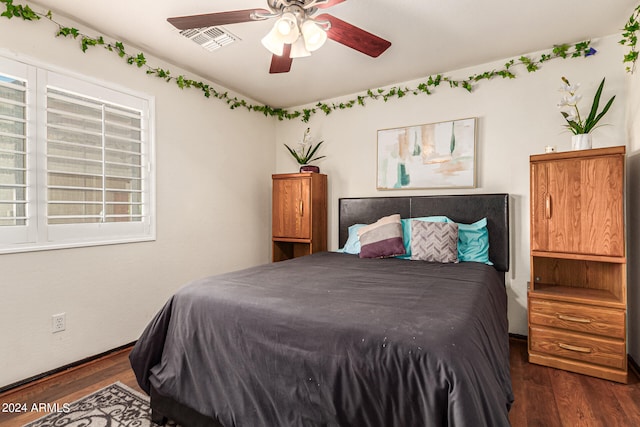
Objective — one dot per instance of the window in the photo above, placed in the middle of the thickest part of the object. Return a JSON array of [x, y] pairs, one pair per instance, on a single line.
[[75, 161]]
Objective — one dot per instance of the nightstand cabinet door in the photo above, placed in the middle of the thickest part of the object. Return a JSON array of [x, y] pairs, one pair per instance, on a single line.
[[577, 205], [290, 198]]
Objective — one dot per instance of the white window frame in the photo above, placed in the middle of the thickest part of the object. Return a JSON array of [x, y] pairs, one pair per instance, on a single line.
[[38, 234]]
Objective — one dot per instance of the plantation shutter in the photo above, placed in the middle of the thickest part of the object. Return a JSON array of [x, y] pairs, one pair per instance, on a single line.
[[94, 160], [13, 151]]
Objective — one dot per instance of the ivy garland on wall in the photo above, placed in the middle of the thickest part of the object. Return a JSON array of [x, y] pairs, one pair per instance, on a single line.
[[630, 38], [582, 49]]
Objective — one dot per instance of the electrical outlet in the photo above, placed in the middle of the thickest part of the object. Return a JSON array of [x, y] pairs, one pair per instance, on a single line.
[[58, 322]]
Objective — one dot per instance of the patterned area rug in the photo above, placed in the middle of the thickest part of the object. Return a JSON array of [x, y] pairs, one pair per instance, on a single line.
[[115, 406]]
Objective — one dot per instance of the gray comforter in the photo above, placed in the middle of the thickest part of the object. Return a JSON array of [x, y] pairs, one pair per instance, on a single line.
[[334, 340]]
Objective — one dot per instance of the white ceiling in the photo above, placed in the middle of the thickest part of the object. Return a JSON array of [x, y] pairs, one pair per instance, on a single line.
[[428, 37]]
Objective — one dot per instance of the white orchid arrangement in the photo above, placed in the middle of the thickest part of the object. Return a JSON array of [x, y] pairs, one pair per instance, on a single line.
[[569, 108], [306, 150]]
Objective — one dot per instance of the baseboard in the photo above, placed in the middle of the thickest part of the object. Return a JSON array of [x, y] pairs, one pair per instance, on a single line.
[[28, 381], [633, 366], [517, 337]]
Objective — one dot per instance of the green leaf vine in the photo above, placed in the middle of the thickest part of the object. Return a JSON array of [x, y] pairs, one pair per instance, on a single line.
[[19, 11], [426, 87], [630, 38]]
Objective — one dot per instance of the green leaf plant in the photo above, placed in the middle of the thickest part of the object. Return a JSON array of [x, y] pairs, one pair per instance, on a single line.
[[427, 87], [304, 154], [569, 104]]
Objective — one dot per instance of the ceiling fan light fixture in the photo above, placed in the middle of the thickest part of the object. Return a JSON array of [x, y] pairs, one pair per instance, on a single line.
[[286, 28], [314, 35], [273, 43], [298, 27], [298, 49]]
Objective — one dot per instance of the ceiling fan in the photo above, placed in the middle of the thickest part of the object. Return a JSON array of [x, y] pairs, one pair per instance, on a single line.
[[298, 30]]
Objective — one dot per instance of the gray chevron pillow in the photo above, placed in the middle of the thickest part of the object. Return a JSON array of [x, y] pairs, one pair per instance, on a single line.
[[434, 241]]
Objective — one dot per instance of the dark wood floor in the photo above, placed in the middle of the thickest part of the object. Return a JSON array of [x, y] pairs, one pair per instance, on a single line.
[[68, 386], [545, 397], [549, 397]]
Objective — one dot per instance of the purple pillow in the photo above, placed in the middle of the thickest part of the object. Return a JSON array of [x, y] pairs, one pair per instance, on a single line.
[[382, 239]]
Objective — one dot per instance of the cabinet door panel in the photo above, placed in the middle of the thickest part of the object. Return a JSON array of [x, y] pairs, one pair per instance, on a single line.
[[577, 206], [565, 206], [539, 194], [291, 208], [602, 206]]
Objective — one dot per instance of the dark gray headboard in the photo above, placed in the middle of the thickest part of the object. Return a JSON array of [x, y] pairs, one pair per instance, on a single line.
[[460, 208]]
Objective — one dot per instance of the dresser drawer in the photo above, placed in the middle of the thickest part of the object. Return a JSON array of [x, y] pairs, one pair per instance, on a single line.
[[569, 345], [576, 317]]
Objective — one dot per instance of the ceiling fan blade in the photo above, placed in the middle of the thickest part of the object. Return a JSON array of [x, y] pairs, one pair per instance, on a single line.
[[281, 63], [329, 4], [214, 19], [354, 37]]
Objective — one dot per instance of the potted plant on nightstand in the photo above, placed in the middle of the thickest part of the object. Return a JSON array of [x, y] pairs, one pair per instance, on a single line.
[[305, 152], [579, 126]]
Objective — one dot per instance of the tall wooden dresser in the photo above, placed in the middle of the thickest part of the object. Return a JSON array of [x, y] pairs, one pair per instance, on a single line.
[[299, 217], [578, 291]]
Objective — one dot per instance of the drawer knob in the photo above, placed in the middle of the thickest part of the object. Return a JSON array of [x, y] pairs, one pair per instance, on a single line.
[[574, 348], [573, 319]]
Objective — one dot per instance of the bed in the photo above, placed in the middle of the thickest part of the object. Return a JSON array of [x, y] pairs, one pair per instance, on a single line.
[[332, 339]]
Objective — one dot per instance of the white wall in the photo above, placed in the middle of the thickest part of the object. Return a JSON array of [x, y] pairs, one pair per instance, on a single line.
[[213, 215], [517, 118], [633, 213]]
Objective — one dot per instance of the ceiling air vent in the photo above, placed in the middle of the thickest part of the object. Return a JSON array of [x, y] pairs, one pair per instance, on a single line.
[[210, 38]]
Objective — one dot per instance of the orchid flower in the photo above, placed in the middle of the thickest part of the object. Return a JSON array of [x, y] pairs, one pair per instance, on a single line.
[[569, 88], [306, 150], [569, 108]]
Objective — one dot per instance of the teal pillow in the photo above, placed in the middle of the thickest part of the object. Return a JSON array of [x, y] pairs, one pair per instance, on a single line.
[[473, 242], [352, 246], [406, 231]]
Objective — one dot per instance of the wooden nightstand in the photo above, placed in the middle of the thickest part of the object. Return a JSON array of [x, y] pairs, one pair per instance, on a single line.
[[299, 225], [578, 290]]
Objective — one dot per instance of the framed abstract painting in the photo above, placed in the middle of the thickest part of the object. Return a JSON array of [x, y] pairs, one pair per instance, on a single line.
[[435, 155]]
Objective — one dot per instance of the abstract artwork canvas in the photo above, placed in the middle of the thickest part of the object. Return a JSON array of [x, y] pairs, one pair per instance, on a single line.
[[436, 155]]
